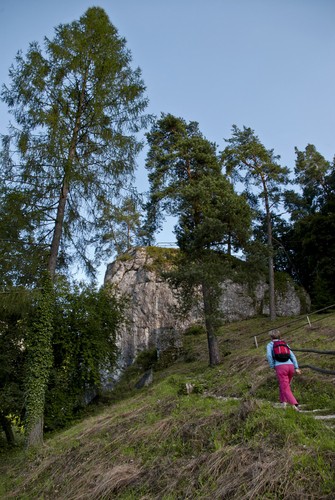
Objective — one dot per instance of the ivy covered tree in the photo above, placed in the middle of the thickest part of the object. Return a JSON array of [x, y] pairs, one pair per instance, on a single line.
[[39, 362], [77, 106], [186, 182], [83, 322], [247, 160]]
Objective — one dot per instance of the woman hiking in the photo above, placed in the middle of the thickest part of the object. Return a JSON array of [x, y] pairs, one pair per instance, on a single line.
[[283, 361]]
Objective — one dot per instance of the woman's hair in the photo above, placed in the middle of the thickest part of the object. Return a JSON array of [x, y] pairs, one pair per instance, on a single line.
[[274, 334]]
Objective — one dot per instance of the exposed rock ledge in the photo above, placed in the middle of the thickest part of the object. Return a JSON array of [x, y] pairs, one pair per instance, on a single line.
[[151, 321]]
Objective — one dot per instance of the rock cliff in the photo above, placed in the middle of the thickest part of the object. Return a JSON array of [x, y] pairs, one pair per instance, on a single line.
[[151, 316]]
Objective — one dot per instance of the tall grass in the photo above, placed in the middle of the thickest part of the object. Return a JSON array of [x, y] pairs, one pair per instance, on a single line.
[[227, 439]]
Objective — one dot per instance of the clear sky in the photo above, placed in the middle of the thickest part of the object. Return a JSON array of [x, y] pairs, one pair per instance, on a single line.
[[265, 64]]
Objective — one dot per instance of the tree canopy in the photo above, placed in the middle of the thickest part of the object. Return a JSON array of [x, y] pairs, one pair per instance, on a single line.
[[248, 161], [77, 105], [186, 181]]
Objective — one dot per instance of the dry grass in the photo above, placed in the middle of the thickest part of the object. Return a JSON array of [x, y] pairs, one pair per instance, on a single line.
[[98, 465], [160, 445]]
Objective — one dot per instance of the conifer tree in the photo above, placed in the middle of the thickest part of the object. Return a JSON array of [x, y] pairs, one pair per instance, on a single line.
[[77, 106], [310, 240], [248, 161], [186, 182]]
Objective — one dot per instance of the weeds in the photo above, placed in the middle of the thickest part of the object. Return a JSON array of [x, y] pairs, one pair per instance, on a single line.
[[224, 440]]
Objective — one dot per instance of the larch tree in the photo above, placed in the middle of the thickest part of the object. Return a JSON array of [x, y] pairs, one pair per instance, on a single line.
[[247, 160], [186, 182], [77, 105]]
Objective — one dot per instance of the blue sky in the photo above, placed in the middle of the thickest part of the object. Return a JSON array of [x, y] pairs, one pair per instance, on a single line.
[[265, 64]]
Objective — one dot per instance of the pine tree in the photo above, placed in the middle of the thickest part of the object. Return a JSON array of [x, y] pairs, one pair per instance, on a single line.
[[186, 182], [310, 240], [248, 161]]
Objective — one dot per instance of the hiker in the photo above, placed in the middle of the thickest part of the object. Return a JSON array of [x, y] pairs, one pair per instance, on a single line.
[[283, 360]]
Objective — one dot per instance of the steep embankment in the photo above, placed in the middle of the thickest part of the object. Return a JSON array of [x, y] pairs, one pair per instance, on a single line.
[[227, 439]]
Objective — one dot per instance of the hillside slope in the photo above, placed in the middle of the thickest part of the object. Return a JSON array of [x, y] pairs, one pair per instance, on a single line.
[[227, 439]]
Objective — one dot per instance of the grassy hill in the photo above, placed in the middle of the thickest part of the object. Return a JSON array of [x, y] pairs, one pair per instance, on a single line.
[[227, 439]]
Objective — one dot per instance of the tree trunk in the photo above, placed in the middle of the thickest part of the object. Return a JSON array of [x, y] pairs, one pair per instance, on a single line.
[[272, 287], [52, 264], [271, 274], [35, 433], [213, 347], [35, 436], [7, 428], [39, 364], [272, 303], [58, 229]]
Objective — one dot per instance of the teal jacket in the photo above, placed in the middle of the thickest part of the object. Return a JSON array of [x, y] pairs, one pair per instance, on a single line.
[[273, 362]]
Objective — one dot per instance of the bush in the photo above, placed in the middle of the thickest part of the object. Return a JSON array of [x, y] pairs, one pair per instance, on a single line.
[[195, 329]]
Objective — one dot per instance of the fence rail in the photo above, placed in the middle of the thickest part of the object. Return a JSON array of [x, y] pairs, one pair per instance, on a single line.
[[316, 369], [314, 350]]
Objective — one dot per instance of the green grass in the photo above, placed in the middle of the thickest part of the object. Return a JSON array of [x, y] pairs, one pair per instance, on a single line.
[[225, 440]]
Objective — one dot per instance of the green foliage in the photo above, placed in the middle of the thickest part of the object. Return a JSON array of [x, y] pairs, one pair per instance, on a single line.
[[15, 307], [246, 159], [84, 345], [315, 176], [39, 358], [163, 258], [78, 105], [21, 260], [195, 329], [146, 360], [82, 323], [127, 228], [186, 182], [309, 241]]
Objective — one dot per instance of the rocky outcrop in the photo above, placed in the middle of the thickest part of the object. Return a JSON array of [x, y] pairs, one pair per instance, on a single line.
[[152, 321], [151, 317], [239, 301]]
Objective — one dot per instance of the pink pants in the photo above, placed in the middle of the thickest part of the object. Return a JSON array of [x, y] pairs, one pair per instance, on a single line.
[[284, 375]]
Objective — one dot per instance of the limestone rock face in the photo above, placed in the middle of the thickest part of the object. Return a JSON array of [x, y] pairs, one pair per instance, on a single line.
[[151, 317], [239, 302]]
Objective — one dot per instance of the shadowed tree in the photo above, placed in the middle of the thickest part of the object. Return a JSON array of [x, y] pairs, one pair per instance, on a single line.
[[15, 307], [248, 161], [77, 105], [310, 239], [186, 182]]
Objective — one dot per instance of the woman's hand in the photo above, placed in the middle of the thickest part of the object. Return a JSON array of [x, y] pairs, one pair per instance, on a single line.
[[298, 371]]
